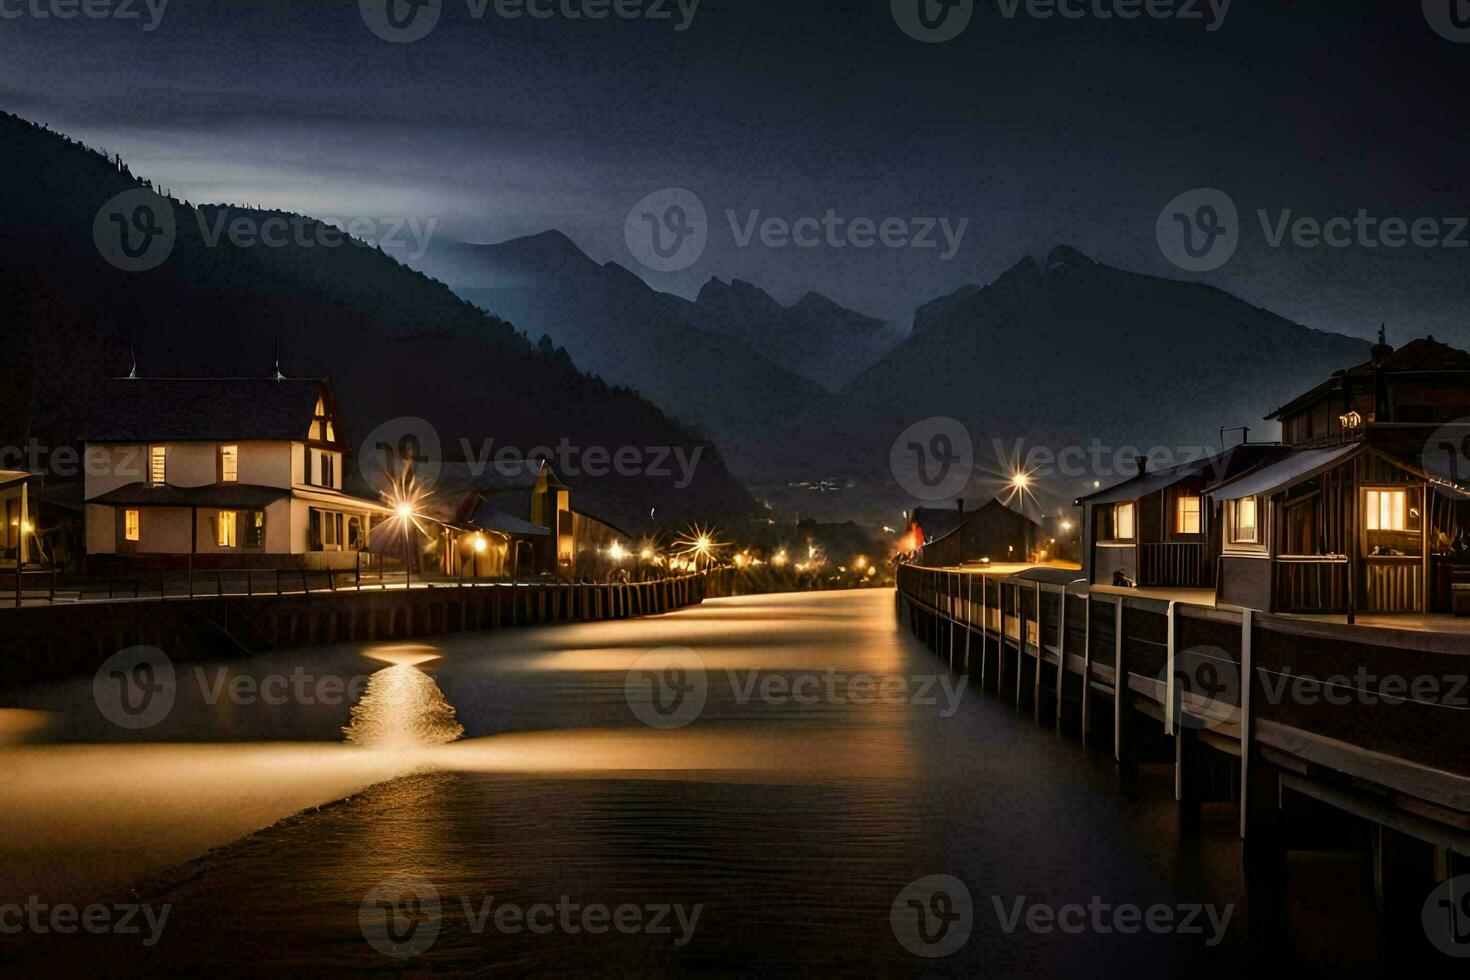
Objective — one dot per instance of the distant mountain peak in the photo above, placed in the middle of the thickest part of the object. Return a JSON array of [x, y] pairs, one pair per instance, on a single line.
[[1065, 256]]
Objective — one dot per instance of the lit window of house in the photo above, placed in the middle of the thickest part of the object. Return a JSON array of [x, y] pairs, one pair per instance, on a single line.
[[130, 525], [225, 525], [1388, 510], [1246, 526], [1186, 519], [1123, 522], [158, 465], [229, 464]]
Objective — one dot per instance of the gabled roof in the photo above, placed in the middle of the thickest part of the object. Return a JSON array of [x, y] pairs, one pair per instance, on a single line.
[[940, 522], [8, 477], [206, 410], [493, 520], [956, 525], [1304, 464], [1422, 356], [1218, 467], [1285, 473]]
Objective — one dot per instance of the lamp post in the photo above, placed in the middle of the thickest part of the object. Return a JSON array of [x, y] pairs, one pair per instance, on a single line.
[[405, 517]]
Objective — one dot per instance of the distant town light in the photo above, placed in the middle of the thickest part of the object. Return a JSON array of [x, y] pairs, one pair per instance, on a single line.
[[404, 510], [616, 551]]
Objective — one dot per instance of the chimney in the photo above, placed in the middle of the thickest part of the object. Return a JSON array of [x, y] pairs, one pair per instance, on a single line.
[[1142, 465], [961, 503]]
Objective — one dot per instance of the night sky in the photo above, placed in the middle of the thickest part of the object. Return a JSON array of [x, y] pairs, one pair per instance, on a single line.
[[1038, 131]]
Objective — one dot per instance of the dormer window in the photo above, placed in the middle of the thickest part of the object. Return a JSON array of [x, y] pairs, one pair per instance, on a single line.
[[158, 465]]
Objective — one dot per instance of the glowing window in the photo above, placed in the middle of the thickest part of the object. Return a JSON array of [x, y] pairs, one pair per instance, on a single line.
[[158, 465], [226, 529], [229, 463], [130, 525], [1186, 519], [1246, 529], [1387, 510], [1123, 522]]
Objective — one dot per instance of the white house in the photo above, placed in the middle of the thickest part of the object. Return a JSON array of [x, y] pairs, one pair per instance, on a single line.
[[236, 472]]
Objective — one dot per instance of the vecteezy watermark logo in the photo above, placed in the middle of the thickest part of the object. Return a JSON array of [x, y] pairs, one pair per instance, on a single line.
[[1447, 453], [933, 459], [400, 917], [123, 919], [1446, 917], [135, 230], [135, 688], [1199, 230], [667, 688], [399, 453], [1206, 687], [408, 237], [1449, 18], [668, 230], [1105, 918], [91, 9], [933, 21], [933, 916], [833, 230], [400, 21]]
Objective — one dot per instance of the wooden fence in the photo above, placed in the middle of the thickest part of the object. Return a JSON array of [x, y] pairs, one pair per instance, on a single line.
[[1375, 722]]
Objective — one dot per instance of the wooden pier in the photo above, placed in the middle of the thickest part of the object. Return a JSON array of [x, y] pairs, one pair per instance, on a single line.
[[1248, 709]]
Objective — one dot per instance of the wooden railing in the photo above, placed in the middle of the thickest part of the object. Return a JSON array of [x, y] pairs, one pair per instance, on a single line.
[[1310, 584], [1385, 711], [1173, 564]]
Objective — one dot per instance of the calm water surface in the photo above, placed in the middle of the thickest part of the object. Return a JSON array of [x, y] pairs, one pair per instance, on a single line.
[[791, 827]]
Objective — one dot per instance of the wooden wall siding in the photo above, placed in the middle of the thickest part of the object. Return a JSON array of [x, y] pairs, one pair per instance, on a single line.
[[1393, 586], [1310, 586], [1329, 494], [1377, 470]]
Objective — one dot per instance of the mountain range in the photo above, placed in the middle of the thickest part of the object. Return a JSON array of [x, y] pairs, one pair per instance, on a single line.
[[733, 363], [805, 400], [396, 343], [1066, 352]]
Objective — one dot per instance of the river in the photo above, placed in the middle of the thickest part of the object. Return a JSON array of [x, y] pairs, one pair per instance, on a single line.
[[762, 784]]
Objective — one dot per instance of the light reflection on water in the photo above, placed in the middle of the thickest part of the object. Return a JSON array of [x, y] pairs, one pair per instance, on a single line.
[[402, 707]]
